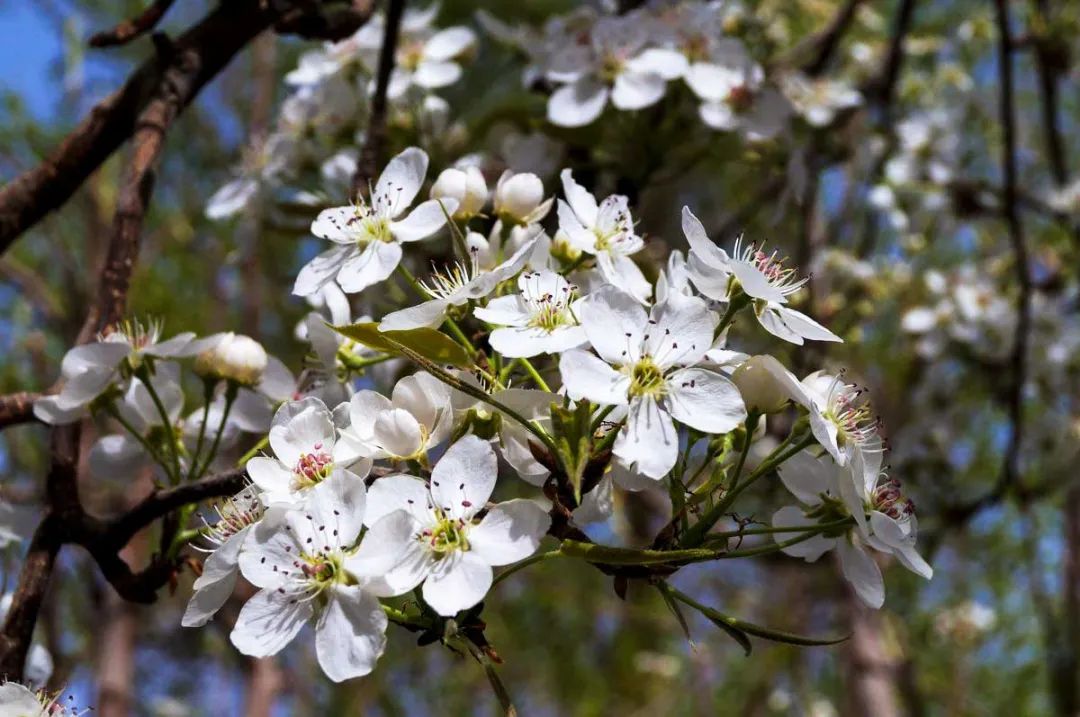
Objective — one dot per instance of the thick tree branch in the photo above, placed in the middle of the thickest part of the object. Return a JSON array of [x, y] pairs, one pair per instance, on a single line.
[[884, 87], [371, 155], [128, 30], [16, 408], [26, 199]]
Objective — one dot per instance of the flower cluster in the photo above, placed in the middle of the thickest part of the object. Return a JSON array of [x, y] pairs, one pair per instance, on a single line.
[[543, 341]]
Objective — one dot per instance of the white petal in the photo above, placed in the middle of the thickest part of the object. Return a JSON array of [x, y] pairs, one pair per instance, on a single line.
[[649, 441], [807, 477], [424, 221], [433, 74], [321, 270], [117, 457], [400, 181], [718, 115], [335, 507], [504, 311], [700, 243], [364, 408], [862, 572], [398, 433], [620, 270], [586, 376], [712, 83], [680, 331], [268, 622], [459, 581], [615, 324], [206, 601], [914, 562], [398, 492], [412, 568], [464, 477], [804, 326], [384, 544], [351, 633], [269, 475], [810, 549], [704, 400], [424, 396], [374, 264], [335, 224], [308, 427], [511, 531], [580, 200], [427, 314], [529, 342], [449, 43], [578, 235], [578, 104], [637, 90]]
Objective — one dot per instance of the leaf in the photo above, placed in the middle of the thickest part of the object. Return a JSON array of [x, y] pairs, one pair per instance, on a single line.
[[429, 343], [665, 593], [573, 428], [739, 629]]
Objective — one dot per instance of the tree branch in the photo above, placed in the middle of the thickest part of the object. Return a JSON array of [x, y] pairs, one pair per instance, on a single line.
[[371, 155], [827, 41], [16, 408], [128, 30], [25, 200]]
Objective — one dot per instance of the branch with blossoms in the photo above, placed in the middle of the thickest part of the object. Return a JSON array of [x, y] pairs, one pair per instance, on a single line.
[[550, 348]]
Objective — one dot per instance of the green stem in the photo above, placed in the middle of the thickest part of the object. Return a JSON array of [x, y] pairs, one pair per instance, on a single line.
[[263, 443], [111, 410], [231, 390], [737, 304], [540, 382], [208, 396], [697, 533], [479, 394], [599, 420], [751, 424], [166, 423], [358, 363], [532, 560]]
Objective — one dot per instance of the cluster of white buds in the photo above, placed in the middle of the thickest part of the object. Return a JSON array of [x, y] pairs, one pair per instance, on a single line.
[[232, 357]]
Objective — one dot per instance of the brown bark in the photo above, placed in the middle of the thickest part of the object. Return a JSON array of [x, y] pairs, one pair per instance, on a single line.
[[872, 664], [265, 682]]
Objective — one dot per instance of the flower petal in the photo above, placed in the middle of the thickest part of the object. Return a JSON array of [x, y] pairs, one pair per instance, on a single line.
[[350, 634], [367, 268], [511, 531], [459, 581], [649, 441], [704, 400], [425, 220], [577, 104], [268, 622], [586, 376], [400, 182], [464, 477]]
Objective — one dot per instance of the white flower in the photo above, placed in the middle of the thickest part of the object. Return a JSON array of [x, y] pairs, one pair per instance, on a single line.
[[842, 420], [758, 385], [235, 518], [761, 277], [123, 455], [89, 370], [305, 566], [617, 67], [731, 86], [416, 418], [304, 440], [445, 547], [19, 701], [369, 236], [819, 99], [463, 283], [519, 198], [649, 361], [540, 320], [820, 485], [425, 58], [466, 186], [233, 357], [606, 231]]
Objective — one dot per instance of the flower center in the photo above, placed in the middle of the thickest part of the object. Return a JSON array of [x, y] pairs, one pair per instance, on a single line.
[[611, 66], [447, 535], [646, 378], [741, 98], [890, 500], [855, 422], [410, 55], [321, 570], [313, 468], [233, 515]]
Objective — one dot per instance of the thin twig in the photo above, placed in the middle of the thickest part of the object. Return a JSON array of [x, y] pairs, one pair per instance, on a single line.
[[371, 154], [16, 408], [128, 30]]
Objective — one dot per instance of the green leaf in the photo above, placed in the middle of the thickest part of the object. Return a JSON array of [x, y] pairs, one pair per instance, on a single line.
[[739, 629], [573, 427], [673, 606], [429, 343]]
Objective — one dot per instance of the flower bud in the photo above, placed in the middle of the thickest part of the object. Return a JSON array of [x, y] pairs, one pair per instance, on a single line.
[[467, 186], [760, 390], [234, 357], [517, 196]]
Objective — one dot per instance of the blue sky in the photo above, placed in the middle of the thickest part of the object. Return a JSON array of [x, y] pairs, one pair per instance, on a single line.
[[30, 45]]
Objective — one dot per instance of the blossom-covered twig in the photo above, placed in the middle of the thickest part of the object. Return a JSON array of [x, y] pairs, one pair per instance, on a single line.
[[371, 154]]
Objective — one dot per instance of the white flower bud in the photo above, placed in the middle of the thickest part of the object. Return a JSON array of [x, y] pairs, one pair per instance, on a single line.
[[517, 196], [760, 390], [234, 357], [467, 186]]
